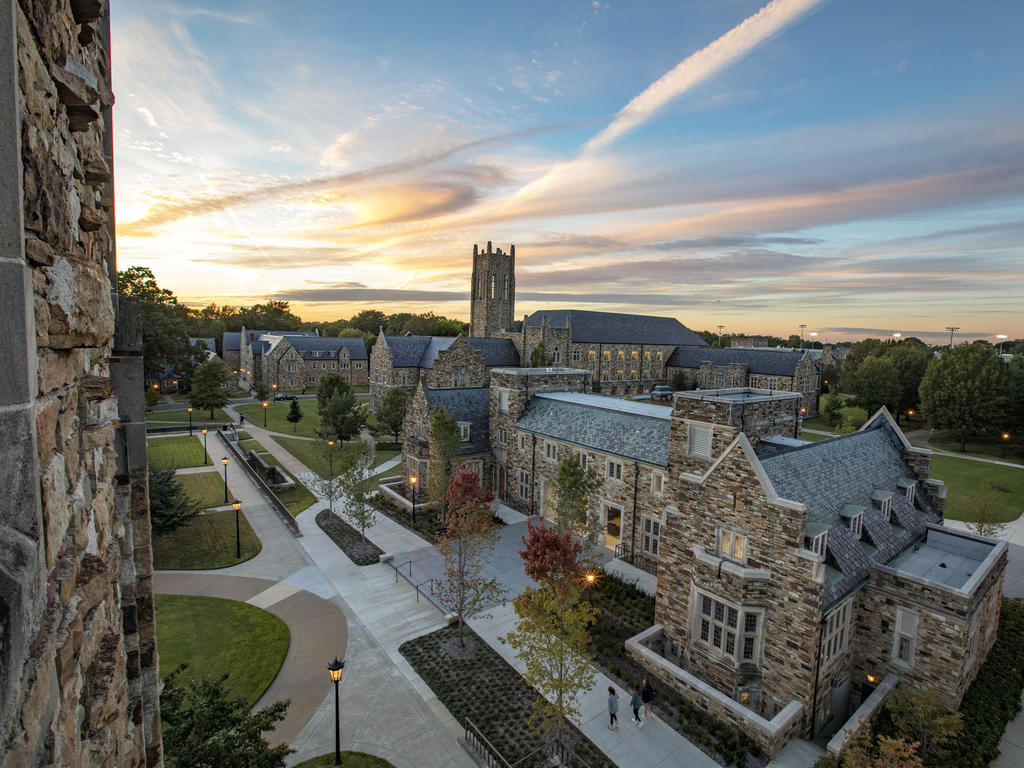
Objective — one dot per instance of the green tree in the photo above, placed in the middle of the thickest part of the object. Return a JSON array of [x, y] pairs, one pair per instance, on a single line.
[[169, 505], [203, 728], [444, 446], [875, 383], [369, 320], [294, 415], [466, 539], [679, 382], [208, 385], [834, 410], [858, 353], [540, 357], [921, 716], [341, 416], [391, 411], [262, 390], [910, 358], [140, 283], [358, 486], [273, 316], [165, 347], [328, 482], [153, 397], [574, 487], [986, 513], [966, 391]]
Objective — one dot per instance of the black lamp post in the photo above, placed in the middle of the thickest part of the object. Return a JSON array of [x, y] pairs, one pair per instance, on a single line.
[[330, 475], [412, 481], [264, 414], [190, 422], [1006, 439], [336, 668], [238, 539], [224, 461], [206, 459]]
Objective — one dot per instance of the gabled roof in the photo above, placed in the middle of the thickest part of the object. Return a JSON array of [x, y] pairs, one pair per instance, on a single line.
[[422, 351], [616, 328], [496, 352], [764, 361], [306, 345], [595, 421], [232, 341], [468, 404], [833, 477]]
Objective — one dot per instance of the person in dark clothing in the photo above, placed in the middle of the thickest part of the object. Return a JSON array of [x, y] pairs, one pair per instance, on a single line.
[[647, 695], [636, 702], [613, 709]]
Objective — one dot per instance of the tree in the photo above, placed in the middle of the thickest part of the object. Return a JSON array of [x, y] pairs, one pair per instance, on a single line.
[[165, 347], [467, 537], [834, 410], [140, 283], [551, 558], [341, 416], [369, 320], [274, 315], [829, 378], [391, 411], [921, 715], [262, 390], [858, 353], [574, 486], [864, 751], [357, 485], [153, 397], [208, 385], [679, 382], [203, 727], [966, 391], [874, 384], [444, 446], [328, 483], [294, 414], [986, 513], [910, 358], [540, 357], [169, 505]]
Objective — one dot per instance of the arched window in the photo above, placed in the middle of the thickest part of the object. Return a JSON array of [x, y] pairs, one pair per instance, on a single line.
[[494, 285], [506, 287]]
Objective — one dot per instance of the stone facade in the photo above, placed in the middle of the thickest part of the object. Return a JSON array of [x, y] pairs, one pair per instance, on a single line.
[[492, 291], [287, 360], [78, 663], [458, 365]]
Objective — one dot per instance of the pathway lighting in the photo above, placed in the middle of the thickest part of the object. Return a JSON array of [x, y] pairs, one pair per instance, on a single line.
[[190, 422], [238, 539], [206, 459], [264, 414], [1006, 439], [225, 461], [336, 667], [330, 474], [412, 481]]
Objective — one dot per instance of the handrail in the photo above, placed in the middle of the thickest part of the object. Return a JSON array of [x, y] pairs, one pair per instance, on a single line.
[[275, 502], [491, 756], [396, 567], [428, 581]]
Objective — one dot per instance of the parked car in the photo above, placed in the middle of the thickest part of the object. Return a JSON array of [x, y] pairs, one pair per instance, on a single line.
[[284, 396]]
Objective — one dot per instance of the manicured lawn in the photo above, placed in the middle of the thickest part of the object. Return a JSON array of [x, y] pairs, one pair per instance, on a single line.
[[348, 760], [989, 447], [204, 488], [181, 416], [251, 445], [207, 541], [243, 435], [175, 452], [383, 456], [276, 421], [215, 636], [851, 413], [312, 453], [965, 479], [299, 498], [812, 437]]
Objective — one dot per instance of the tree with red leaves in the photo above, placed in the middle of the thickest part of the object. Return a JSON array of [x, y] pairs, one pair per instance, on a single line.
[[552, 558], [466, 538]]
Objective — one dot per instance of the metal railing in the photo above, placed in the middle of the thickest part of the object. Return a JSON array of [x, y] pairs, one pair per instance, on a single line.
[[268, 493], [626, 553], [396, 567], [555, 752]]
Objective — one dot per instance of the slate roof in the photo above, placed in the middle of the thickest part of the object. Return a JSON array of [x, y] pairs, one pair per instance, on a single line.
[[422, 351], [600, 426], [472, 404], [764, 361], [846, 471], [232, 341], [496, 352], [329, 347], [407, 351], [616, 328]]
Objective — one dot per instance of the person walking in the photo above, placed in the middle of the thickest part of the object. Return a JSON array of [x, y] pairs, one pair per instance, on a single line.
[[647, 695], [613, 709], [636, 702]]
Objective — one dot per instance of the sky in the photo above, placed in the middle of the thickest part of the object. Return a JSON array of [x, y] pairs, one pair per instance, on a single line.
[[854, 166]]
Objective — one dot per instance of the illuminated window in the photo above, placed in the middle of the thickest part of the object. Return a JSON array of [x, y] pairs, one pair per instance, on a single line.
[[732, 545]]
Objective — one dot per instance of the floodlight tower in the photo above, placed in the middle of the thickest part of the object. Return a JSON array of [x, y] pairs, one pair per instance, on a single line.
[[952, 329]]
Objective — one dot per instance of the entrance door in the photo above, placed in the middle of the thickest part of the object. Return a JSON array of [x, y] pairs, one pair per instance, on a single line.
[[612, 525], [501, 482], [547, 500]]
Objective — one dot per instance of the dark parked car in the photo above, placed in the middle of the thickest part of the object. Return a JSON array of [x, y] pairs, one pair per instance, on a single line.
[[284, 396]]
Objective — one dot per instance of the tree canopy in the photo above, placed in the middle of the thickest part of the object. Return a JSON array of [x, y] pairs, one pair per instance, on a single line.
[[208, 385], [444, 446], [391, 411], [169, 505]]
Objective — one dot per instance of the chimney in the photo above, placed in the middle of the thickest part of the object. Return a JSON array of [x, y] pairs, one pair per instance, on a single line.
[[488, 246], [512, 250]]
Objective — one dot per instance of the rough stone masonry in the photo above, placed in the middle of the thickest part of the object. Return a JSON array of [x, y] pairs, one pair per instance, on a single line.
[[78, 661]]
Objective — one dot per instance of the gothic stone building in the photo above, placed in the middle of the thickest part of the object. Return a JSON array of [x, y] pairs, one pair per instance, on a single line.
[[440, 361], [79, 682], [299, 360], [786, 370], [793, 578]]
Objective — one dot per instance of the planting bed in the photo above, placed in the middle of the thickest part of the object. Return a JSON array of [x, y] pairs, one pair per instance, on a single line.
[[348, 539]]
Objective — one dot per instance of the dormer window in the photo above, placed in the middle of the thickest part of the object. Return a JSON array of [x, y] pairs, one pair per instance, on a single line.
[[854, 517], [908, 487], [884, 501], [816, 538], [464, 431]]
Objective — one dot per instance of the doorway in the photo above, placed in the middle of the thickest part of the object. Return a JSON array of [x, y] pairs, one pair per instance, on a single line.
[[612, 524]]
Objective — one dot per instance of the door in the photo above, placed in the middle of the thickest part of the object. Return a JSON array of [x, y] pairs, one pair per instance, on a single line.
[[612, 525], [547, 500]]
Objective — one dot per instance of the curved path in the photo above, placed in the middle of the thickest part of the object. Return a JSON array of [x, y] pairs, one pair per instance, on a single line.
[[318, 633]]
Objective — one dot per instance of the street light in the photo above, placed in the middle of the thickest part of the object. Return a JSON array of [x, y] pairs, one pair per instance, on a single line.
[[264, 414], [225, 461], [238, 539], [330, 475], [896, 336], [1006, 439], [1002, 337], [336, 667], [589, 578], [412, 481], [206, 459], [190, 422]]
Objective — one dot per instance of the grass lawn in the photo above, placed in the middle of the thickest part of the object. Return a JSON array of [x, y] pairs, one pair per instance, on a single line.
[[276, 421], [207, 541], [217, 637], [851, 413], [181, 416], [348, 760], [989, 447], [175, 452], [204, 488], [251, 445], [383, 456], [813, 438], [299, 498], [243, 435], [964, 479]]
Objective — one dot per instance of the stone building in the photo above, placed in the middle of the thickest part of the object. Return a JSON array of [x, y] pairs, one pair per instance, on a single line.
[[296, 359], [441, 361], [774, 369], [794, 578], [78, 662]]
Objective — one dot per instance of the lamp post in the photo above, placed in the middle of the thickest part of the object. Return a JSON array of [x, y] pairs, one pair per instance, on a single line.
[[238, 539], [330, 475], [589, 578], [1002, 337], [1006, 439], [190, 422], [224, 461], [412, 481], [206, 459], [336, 667], [264, 414]]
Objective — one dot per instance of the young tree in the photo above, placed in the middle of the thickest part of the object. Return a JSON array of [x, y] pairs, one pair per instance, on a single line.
[[966, 391], [203, 727], [444, 446], [986, 513], [467, 537], [153, 397], [356, 485], [327, 482], [294, 415], [208, 386], [262, 390], [922, 716], [552, 558], [875, 384], [540, 357], [391, 411], [864, 751], [169, 505], [679, 382], [834, 410], [574, 487], [341, 417]]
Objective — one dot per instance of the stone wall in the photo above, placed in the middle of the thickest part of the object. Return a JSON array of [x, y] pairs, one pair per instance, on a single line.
[[492, 292], [78, 663], [460, 359]]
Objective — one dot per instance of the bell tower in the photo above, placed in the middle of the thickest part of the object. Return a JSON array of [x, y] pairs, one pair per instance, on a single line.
[[493, 292]]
